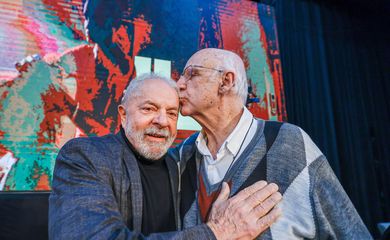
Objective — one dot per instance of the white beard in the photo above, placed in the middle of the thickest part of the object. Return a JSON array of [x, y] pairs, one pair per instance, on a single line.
[[149, 149]]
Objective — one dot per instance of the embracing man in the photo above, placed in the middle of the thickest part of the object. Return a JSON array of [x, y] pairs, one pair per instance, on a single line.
[[123, 187], [236, 148]]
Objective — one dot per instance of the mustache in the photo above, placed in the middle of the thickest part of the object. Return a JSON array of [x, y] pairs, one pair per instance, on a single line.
[[157, 132]]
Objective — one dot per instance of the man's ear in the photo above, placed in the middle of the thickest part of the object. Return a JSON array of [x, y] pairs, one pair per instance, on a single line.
[[228, 82], [122, 113]]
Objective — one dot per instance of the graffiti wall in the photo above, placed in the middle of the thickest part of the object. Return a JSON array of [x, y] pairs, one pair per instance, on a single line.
[[64, 65]]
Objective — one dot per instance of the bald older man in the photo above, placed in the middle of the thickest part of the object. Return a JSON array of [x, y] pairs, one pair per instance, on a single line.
[[122, 187], [236, 148]]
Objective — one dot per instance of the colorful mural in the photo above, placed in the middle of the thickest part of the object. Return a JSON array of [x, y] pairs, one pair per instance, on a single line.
[[65, 64]]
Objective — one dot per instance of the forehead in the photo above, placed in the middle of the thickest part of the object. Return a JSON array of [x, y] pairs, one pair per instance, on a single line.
[[158, 93], [205, 58]]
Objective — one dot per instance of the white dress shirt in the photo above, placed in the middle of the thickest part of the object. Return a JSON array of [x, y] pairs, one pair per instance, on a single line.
[[242, 134]]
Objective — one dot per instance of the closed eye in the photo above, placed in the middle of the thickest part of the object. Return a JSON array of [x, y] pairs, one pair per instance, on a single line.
[[173, 114], [194, 73], [147, 109]]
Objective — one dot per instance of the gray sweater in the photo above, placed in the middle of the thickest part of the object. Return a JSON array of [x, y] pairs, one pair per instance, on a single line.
[[314, 206]]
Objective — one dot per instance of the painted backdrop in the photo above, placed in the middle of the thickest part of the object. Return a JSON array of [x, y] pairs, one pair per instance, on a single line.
[[64, 65]]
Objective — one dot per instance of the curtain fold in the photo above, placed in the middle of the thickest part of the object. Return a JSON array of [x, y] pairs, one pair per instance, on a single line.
[[335, 61]]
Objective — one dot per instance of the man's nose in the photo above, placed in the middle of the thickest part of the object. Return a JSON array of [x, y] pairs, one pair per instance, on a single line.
[[161, 119], [181, 83]]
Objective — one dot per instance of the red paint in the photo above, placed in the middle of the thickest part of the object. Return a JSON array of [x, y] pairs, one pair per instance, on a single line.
[[142, 30], [90, 86], [87, 84], [231, 21], [56, 103], [3, 149], [232, 26], [43, 183], [258, 111]]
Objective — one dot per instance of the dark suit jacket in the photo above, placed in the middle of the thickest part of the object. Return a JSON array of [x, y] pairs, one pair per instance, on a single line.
[[97, 193]]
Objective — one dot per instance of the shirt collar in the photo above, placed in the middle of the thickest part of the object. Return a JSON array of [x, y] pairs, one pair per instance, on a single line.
[[234, 140], [201, 144]]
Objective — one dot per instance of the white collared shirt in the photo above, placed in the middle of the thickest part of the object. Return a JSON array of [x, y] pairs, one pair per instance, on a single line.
[[216, 168]]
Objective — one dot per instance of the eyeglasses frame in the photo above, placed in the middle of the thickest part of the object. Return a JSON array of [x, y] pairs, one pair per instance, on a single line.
[[198, 66]]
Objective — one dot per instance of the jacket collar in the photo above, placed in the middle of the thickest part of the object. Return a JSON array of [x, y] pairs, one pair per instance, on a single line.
[[133, 172]]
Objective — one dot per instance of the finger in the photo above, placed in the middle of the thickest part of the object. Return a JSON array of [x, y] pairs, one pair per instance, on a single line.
[[224, 194], [266, 221], [269, 203], [262, 194], [248, 191]]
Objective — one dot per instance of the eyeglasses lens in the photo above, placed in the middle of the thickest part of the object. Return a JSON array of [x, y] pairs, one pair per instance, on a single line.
[[188, 73]]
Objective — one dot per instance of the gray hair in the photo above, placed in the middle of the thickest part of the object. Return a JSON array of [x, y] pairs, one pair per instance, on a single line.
[[230, 61], [235, 63], [132, 89]]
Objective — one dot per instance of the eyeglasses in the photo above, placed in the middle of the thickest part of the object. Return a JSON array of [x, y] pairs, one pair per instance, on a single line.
[[188, 72]]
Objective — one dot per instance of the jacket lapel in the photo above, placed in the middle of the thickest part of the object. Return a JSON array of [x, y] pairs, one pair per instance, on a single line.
[[132, 169], [174, 180]]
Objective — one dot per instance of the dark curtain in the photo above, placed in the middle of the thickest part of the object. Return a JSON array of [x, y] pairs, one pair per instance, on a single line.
[[335, 60]]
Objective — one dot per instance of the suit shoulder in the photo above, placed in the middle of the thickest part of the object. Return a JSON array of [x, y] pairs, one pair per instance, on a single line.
[[96, 153], [84, 143], [91, 140]]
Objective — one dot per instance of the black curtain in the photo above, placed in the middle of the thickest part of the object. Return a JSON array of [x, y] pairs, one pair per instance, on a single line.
[[335, 60]]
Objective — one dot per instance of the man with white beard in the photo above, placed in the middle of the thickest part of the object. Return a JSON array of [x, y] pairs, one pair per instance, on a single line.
[[122, 187]]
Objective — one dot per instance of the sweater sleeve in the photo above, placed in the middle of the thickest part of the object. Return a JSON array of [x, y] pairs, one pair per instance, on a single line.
[[336, 217]]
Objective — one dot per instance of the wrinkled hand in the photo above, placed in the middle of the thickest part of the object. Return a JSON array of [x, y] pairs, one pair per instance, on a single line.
[[247, 214]]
